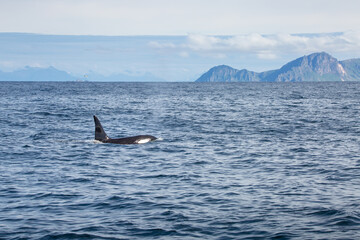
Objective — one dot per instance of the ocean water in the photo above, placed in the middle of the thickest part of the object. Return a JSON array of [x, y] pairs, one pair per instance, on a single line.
[[235, 161]]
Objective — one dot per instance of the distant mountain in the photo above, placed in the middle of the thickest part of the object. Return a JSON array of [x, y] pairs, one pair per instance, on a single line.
[[36, 74], [352, 69], [314, 67], [53, 74], [225, 73]]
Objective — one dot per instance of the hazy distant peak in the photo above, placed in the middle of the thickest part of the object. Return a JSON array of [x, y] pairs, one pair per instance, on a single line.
[[29, 73]]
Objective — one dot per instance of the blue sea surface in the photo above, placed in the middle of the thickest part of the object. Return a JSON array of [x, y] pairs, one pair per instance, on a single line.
[[234, 161]]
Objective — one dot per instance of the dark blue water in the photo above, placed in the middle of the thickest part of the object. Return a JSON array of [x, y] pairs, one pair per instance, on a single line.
[[236, 161]]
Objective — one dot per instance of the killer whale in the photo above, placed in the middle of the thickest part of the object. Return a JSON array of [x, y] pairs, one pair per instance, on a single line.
[[101, 136]]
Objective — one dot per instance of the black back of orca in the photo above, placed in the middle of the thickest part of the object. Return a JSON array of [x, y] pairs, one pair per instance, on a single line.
[[101, 136]]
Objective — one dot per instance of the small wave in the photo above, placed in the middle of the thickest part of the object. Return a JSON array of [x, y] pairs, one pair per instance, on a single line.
[[284, 235], [119, 198], [47, 114], [42, 113], [173, 216], [38, 136], [81, 180], [338, 217], [296, 95], [198, 162], [326, 212], [299, 150], [88, 141], [74, 236], [153, 232], [161, 176], [345, 221], [55, 195]]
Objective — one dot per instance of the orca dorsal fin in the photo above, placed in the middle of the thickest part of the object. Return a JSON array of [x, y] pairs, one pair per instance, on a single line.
[[100, 134]]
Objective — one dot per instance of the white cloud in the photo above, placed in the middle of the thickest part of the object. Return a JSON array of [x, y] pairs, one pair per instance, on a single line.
[[159, 45], [163, 17], [266, 55], [184, 54], [264, 46]]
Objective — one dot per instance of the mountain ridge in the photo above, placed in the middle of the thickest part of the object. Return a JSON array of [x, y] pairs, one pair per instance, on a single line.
[[53, 74], [313, 67], [36, 74]]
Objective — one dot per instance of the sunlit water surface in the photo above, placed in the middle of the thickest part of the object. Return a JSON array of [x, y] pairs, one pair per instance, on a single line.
[[235, 161]]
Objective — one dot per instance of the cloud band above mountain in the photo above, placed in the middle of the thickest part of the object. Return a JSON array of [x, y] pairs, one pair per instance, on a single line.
[[264, 46]]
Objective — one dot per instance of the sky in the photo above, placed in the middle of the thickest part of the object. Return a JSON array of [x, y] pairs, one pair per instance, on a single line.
[[171, 17], [174, 40]]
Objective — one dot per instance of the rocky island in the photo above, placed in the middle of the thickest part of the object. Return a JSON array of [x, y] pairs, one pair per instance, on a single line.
[[315, 67]]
